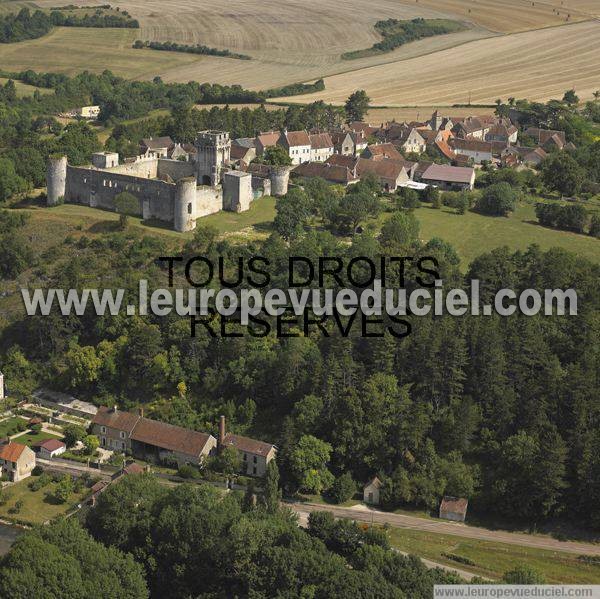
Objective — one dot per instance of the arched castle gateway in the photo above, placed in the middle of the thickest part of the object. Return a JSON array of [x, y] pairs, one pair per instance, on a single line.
[[173, 191]]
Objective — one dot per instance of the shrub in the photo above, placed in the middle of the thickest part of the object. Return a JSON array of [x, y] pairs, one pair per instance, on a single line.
[[187, 471], [497, 200], [343, 488], [37, 470]]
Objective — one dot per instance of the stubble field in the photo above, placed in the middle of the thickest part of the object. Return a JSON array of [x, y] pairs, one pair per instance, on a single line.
[[521, 48]]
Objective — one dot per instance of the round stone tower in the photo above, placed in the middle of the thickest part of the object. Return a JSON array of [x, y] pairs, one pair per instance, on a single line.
[[56, 179], [185, 197], [280, 178]]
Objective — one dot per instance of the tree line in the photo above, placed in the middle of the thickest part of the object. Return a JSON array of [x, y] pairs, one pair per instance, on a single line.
[[196, 49], [26, 25]]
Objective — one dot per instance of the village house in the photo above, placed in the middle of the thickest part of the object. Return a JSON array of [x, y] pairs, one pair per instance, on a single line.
[[265, 140], [474, 149], [159, 146], [449, 178], [391, 173], [503, 131], [343, 143], [382, 151], [90, 113], [543, 136], [254, 455], [242, 150], [440, 123], [472, 127], [371, 491], [412, 141], [150, 439], [454, 508], [49, 448], [297, 144], [321, 147], [16, 461]]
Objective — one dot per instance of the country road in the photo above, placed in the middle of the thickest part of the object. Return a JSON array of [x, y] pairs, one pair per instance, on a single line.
[[448, 528]]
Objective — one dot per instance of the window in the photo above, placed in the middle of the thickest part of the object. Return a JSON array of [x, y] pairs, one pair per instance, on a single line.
[[123, 445], [102, 429], [245, 457], [103, 441], [255, 459], [122, 434], [254, 470], [190, 208]]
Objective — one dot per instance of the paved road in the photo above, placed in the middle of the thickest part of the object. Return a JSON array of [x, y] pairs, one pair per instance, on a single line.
[[448, 528]]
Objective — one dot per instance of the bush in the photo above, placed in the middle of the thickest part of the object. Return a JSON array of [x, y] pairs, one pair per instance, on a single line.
[[37, 470], [459, 558], [343, 488], [497, 200], [187, 471]]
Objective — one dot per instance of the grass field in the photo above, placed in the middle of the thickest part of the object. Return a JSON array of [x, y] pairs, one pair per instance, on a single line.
[[31, 438], [493, 559], [7, 426], [472, 234], [37, 508], [26, 90]]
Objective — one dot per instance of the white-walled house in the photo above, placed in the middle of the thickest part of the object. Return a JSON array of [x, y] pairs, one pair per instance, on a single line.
[[321, 147], [297, 144]]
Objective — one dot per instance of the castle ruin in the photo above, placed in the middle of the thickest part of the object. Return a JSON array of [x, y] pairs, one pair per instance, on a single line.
[[173, 191]]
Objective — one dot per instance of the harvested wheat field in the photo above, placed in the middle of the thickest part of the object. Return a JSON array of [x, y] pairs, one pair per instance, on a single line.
[[538, 65]]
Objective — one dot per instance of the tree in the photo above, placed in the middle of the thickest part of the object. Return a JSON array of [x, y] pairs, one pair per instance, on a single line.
[[497, 200], [227, 461], [308, 460], [595, 226], [63, 489], [571, 98], [561, 172], [292, 212], [355, 208], [401, 229], [271, 491], [62, 560], [357, 106], [523, 574], [10, 182], [73, 433], [83, 366], [91, 444], [276, 156], [343, 488], [126, 204]]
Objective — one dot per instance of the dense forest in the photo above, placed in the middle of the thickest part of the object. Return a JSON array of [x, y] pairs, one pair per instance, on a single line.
[[143, 539], [396, 33], [26, 25]]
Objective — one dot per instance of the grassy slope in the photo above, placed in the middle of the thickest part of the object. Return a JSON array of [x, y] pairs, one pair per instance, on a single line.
[[26, 90], [493, 559], [472, 234]]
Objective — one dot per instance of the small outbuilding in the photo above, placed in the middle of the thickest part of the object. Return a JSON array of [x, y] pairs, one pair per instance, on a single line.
[[371, 491], [50, 448], [454, 508]]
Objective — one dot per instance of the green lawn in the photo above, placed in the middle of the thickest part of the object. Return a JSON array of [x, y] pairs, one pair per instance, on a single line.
[[7, 426], [472, 234], [255, 221], [37, 508], [493, 559], [31, 438]]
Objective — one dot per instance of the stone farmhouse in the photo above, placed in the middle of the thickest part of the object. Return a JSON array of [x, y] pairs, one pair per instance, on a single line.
[[169, 190], [157, 441], [16, 461]]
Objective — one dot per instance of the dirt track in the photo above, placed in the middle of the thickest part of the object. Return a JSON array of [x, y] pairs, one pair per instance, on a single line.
[[448, 528]]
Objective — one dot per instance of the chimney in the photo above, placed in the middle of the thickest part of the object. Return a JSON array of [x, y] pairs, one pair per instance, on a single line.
[[114, 409], [221, 431]]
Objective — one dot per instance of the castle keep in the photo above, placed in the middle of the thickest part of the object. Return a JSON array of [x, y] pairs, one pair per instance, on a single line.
[[174, 191]]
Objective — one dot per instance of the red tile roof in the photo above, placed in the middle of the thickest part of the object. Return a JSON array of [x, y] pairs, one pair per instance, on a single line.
[[268, 139], [320, 141], [157, 143], [449, 174], [12, 451], [248, 445], [384, 168], [445, 149], [341, 160], [296, 138], [386, 150], [169, 436], [112, 418], [50, 444]]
